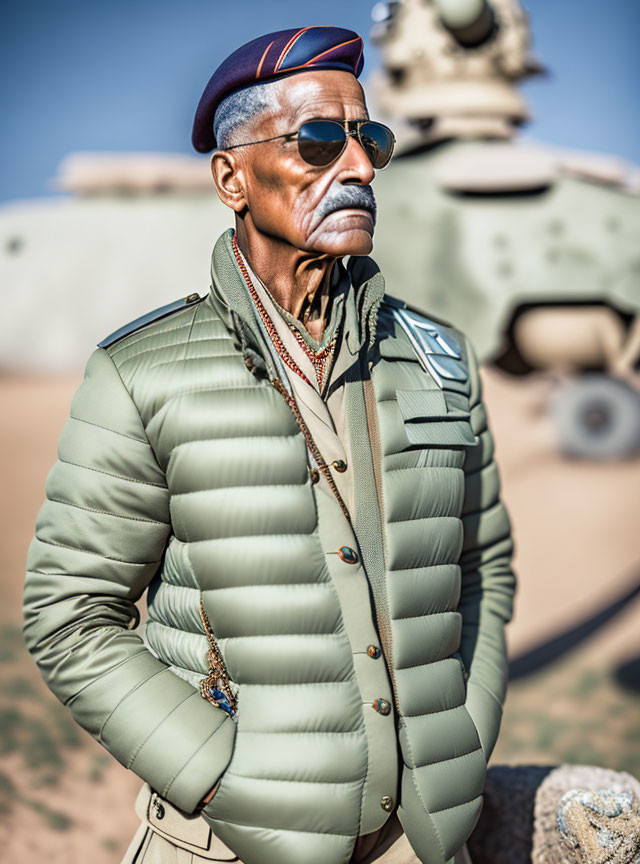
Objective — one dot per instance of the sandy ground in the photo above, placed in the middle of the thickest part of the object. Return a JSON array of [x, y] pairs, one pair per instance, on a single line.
[[577, 532], [576, 524]]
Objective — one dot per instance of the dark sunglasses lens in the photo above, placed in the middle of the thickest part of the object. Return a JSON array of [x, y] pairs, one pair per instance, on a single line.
[[377, 141], [320, 141]]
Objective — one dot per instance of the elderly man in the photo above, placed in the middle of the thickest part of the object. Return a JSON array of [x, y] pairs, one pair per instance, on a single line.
[[298, 468]]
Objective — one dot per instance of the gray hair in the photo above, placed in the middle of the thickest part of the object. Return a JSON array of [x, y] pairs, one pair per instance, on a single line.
[[237, 112]]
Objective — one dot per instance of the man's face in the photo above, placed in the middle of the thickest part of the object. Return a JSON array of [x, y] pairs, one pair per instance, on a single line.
[[283, 192]]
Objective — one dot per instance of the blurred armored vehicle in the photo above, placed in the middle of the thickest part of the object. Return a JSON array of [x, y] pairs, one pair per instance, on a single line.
[[133, 233], [532, 250]]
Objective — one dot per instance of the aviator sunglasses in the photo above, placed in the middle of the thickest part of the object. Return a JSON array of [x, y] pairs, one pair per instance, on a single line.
[[320, 142]]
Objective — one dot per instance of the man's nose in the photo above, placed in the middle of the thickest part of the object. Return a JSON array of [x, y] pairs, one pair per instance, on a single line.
[[355, 160]]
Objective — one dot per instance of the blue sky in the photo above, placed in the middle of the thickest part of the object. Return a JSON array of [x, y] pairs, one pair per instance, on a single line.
[[127, 74]]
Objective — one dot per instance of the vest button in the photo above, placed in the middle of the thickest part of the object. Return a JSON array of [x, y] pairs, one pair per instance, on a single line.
[[382, 706], [315, 475], [348, 555], [340, 465], [386, 802], [373, 651]]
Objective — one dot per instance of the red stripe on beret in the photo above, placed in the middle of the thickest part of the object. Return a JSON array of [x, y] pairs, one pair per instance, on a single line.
[[272, 56]]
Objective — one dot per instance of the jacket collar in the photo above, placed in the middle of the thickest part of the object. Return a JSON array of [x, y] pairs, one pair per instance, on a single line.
[[233, 303]]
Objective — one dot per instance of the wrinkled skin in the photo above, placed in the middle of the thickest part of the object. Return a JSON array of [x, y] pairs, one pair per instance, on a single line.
[[275, 193]]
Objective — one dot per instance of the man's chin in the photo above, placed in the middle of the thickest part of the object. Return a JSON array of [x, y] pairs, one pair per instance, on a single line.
[[344, 232]]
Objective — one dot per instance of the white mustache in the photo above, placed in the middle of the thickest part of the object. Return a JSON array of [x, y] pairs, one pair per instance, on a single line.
[[341, 197]]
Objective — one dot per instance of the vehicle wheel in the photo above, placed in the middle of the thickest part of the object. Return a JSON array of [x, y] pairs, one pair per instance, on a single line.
[[597, 417]]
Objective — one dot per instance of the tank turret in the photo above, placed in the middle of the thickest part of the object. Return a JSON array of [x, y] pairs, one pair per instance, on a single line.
[[470, 22], [449, 67]]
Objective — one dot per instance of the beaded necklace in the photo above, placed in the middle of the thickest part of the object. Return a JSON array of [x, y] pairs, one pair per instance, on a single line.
[[321, 465], [319, 359]]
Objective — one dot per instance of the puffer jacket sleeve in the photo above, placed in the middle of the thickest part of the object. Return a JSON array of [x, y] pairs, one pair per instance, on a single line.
[[488, 581], [100, 538]]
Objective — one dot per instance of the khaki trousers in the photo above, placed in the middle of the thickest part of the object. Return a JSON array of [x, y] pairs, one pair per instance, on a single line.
[[169, 836]]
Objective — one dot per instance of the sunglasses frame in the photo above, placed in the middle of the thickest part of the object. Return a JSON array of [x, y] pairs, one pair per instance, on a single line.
[[351, 129]]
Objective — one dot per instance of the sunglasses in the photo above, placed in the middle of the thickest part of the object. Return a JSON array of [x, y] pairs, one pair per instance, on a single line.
[[320, 142]]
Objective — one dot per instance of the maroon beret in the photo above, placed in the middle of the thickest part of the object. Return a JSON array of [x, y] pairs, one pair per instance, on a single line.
[[275, 55]]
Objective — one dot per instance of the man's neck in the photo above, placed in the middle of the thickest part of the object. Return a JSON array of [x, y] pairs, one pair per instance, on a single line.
[[298, 281]]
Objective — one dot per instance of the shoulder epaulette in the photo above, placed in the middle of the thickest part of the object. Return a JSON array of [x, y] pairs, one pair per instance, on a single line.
[[149, 317], [438, 350]]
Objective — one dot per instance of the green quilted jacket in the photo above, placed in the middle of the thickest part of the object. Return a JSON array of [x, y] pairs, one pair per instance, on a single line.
[[182, 470]]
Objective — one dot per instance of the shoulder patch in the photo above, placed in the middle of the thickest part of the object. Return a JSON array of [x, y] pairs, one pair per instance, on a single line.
[[437, 349], [149, 318]]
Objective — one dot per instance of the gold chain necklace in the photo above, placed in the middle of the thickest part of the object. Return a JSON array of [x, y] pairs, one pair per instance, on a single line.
[[322, 466], [215, 686], [319, 359]]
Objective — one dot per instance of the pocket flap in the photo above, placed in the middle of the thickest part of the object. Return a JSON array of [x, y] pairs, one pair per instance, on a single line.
[[441, 433], [457, 404], [432, 404], [436, 418], [421, 404]]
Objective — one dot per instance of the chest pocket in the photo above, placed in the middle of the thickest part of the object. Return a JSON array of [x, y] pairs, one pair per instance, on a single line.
[[436, 418]]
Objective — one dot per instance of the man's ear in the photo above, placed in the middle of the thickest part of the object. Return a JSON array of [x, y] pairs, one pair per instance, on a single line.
[[228, 176]]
